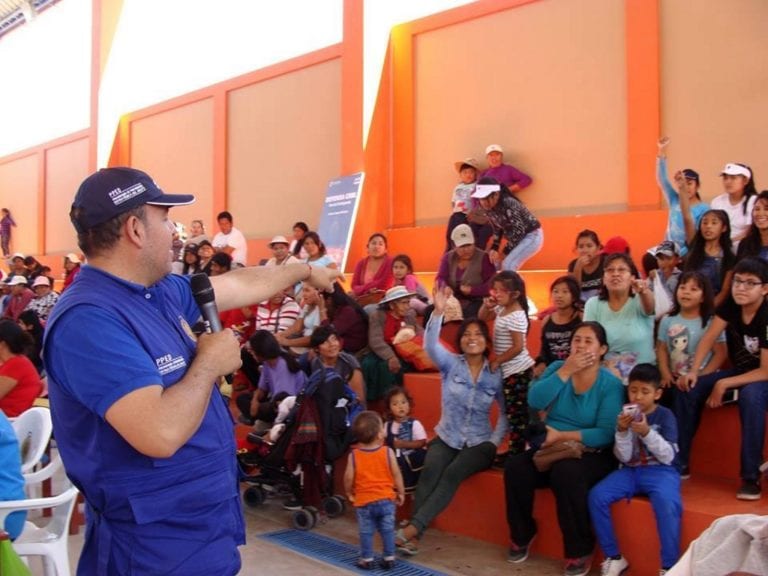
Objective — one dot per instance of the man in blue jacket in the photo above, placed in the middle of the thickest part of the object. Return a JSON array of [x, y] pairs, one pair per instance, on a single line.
[[141, 426]]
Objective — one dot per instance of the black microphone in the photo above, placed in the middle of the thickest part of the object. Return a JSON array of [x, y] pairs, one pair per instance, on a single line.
[[202, 291]]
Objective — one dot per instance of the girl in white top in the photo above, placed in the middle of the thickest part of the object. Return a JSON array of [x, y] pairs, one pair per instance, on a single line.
[[738, 199], [509, 305]]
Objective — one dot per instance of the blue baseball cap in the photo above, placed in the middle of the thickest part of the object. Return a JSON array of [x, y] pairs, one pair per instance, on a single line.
[[113, 191], [690, 174]]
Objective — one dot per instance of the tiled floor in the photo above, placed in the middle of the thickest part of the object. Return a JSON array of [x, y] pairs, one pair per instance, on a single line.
[[444, 552]]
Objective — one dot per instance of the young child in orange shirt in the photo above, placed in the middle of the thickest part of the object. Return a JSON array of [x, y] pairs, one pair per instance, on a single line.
[[374, 485]]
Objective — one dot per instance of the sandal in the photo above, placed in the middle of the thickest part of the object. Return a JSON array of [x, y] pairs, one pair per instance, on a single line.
[[405, 546]]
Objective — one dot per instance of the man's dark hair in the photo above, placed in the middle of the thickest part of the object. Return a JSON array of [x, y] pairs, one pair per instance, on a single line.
[[225, 215], [104, 236]]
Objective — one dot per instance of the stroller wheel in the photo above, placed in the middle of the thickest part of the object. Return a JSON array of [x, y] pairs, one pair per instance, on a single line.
[[333, 506], [254, 496], [304, 519]]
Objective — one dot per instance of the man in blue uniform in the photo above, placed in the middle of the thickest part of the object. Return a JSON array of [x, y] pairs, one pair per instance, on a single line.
[[141, 426]]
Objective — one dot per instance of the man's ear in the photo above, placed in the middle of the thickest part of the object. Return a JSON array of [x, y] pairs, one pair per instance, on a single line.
[[134, 230]]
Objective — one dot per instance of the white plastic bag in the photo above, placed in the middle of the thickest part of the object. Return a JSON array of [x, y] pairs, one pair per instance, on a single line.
[[662, 300]]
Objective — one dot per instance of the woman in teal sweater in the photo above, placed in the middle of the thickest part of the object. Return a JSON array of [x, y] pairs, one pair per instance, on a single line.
[[581, 400]]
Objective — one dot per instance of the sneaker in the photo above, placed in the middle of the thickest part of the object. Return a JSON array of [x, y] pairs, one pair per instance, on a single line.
[[614, 566], [363, 564], [685, 473], [750, 490], [578, 566], [387, 563], [662, 571], [292, 504], [518, 554]]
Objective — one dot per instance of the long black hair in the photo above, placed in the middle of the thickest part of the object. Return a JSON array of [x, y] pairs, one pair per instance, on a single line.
[[707, 308], [265, 346], [697, 252], [339, 299], [749, 188], [513, 282], [752, 243], [16, 338]]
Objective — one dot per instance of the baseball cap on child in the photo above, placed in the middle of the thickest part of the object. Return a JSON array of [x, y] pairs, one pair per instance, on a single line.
[[736, 170], [493, 148], [666, 248], [690, 174], [113, 191], [462, 235]]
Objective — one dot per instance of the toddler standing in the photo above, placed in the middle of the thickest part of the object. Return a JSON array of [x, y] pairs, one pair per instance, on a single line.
[[374, 485]]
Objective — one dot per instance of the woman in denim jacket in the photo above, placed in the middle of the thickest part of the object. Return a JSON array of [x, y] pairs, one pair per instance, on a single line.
[[466, 442]]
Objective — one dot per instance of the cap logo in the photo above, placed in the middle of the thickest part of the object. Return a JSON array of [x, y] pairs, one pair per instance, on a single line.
[[120, 196]]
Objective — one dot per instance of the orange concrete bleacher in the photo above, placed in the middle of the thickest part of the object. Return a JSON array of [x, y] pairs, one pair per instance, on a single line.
[[478, 509]]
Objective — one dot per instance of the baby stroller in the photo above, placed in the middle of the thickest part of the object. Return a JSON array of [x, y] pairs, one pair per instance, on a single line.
[[317, 433]]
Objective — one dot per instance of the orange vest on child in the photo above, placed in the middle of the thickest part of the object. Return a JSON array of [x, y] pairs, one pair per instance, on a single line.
[[373, 476]]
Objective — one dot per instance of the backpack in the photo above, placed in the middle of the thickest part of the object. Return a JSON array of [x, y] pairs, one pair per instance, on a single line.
[[337, 405]]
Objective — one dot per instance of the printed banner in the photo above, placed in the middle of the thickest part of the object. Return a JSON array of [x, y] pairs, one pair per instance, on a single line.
[[337, 221]]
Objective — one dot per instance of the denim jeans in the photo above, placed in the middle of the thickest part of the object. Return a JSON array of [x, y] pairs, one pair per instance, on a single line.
[[527, 247], [376, 516], [753, 402], [661, 484]]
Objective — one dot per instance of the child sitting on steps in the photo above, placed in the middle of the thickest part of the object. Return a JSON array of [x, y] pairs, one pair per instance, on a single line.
[[646, 445]]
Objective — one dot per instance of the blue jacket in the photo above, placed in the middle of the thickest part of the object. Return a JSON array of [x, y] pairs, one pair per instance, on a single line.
[[465, 405], [180, 515]]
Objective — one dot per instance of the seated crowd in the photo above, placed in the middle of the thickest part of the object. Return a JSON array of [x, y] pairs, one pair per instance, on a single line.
[[626, 364]]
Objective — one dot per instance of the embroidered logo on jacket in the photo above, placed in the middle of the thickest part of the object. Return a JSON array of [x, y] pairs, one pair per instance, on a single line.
[[167, 364]]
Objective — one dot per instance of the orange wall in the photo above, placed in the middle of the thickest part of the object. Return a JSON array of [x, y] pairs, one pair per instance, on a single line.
[[175, 147], [283, 146], [19, 182], [714, 86], [546, 81], [66, 167]]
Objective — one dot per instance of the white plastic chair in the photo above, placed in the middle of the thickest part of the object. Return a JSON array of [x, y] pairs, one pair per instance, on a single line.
[[49, 541], [33, 429]]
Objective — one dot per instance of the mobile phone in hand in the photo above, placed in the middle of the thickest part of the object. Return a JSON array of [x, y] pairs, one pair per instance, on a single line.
[[633, 410]]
